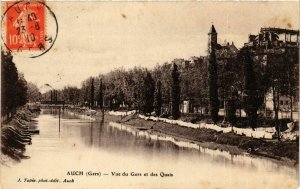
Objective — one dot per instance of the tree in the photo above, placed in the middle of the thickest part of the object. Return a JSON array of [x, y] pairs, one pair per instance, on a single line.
[[71, 94], [163, 74], [85, 95], [110, 103], [13, 86], [231, 105], [250, 88], [157, 99], [148, 94], [92, 94], [128, 88], [9, 79], [213, 86], [55, 96], [283, 76], [52, 96], [21, 91], [33, 92], [137, 87], [291, 70], [101, 95], [203, 87], [229, 75], [175, 94]]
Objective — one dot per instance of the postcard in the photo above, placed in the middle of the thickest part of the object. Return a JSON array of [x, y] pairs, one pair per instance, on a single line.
[[152, 94]]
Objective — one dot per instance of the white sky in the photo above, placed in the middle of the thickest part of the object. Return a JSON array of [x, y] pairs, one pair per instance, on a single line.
[[96, 37]]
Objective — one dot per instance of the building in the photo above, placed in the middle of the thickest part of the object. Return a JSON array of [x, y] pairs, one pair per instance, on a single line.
[[272, 38], [225, 51], [284, 103], [277, 41]]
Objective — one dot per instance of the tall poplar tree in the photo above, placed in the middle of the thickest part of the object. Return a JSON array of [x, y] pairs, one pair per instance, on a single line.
[[101, 95], [250, 89], [213, 86], [175, 94], [157, 99], [92, 93], [148, 93]]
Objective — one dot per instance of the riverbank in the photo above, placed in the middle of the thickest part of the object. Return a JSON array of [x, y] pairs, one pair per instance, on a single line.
[[16, 134], [285, 151]]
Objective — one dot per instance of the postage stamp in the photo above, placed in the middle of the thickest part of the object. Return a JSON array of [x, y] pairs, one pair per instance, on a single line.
[[24, 27]]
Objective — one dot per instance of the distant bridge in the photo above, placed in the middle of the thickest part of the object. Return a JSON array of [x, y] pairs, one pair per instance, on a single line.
[[50, 104], [53, 102]]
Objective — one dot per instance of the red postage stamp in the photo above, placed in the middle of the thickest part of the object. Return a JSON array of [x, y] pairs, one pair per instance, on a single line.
[[25, 26]]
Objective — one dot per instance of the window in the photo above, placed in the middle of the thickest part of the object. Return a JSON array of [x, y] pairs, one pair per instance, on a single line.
[[287, 102], [281, 102]]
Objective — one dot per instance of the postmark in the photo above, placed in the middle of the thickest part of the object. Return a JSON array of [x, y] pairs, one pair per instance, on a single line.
[[29, 28]]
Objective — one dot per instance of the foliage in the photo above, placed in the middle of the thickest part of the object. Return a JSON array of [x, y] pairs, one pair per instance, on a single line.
[[21, 91], [101, 95], [71, 94], [148, 94], [13, 86], [175, 92], [239, 81], [250, 88], [162, 73], [157, 99], [33, 92], [193, 79], [283, 72], [213, 86], [92, 94]]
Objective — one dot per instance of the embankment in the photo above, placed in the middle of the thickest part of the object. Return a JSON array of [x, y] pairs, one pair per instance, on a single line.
[[284, 151], [279, 150], [16, 134]]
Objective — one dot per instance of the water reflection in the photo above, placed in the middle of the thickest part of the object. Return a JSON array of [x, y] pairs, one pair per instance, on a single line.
[[170, 144], [117, 137], [89, 144]]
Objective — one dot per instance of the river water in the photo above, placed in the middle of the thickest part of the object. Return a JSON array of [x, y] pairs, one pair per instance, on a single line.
[[101, 150]]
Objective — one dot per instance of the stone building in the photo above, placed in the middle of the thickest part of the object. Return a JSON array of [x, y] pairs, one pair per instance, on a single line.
[[277, 41], [274, 38], [223, 51]]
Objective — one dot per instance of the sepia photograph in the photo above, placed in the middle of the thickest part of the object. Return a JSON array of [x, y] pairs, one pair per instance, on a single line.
[[149, 94]]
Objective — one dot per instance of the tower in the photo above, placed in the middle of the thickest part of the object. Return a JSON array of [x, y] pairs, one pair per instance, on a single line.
[[212, 38]]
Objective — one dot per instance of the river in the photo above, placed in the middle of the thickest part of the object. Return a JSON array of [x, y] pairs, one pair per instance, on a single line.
[[101, 150]]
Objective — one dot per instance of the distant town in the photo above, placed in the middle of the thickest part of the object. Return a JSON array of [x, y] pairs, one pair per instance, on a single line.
[[273, 81], [228, 96]]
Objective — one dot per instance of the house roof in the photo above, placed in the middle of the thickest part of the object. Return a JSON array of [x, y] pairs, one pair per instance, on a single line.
[[233, 48]]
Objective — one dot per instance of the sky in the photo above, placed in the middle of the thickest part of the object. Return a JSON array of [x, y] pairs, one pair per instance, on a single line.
[[96, 37]]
